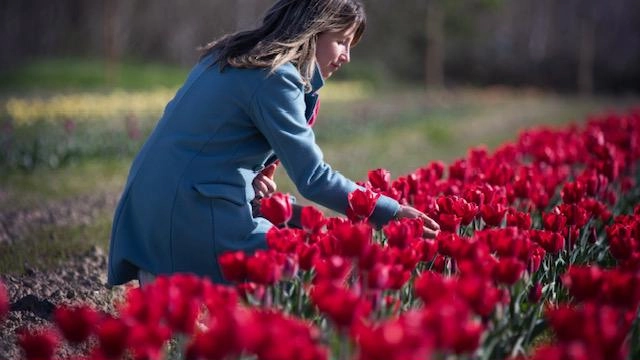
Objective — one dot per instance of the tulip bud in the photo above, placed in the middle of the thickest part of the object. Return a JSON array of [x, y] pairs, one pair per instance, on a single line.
[[535, 293]]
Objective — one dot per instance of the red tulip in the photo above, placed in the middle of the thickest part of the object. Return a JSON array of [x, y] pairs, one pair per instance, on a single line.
[[312, 219], [475, 258], [493, 214], [458, 170], [536, 257], [449, 244], [394, 339], [600, 329], [352, 239], [217, 296], [519, 219], [535, 293], [38, 345], [334, 268], [407, 257], [593, 182], [478, 292], [576, 215], [572, 192], [136, 306], [378, 276], [467, 339], [234, 265], [597, 208], [284, 240], [221, 339], [147, 341], [361, 204], [551, 242], [508, 271], [4, 302], [554, 221], [373, 254], [426, 249], [539, 197], [380, 179], [449, 222], [498, 173], [466, 210], [402, 232], [183, 312], [340, 305], [432, 287], [76, 323], [113, 335], [307, 255], [622, 243], [276, 208], [583, 282], [398, 277], [432, 172], [262, 267], [621, 288]]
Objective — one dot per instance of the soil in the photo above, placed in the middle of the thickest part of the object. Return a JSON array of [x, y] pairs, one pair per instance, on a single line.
[[34, 294]]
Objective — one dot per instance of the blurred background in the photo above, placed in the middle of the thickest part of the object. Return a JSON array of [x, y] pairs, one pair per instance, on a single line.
[[572, 45], [82, 82]]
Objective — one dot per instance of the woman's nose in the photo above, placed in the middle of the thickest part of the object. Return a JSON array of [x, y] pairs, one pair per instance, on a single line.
[[345, 57]]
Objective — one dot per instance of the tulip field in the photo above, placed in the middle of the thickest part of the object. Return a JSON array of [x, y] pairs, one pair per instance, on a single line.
[[538, 257]]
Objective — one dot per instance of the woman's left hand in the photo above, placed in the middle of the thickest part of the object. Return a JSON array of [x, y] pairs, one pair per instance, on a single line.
[[263, 183], [430, 229]]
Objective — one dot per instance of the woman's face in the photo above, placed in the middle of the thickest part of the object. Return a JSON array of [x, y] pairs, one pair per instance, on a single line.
[[333, 50]]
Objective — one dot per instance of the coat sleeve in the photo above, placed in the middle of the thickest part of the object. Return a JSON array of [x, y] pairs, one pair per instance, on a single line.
[[278, 109]]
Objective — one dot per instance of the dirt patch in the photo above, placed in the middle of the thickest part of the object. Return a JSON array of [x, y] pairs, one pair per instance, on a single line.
[[81, 210], [34, 295]]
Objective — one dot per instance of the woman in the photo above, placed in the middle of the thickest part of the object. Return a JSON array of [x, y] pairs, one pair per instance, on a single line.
[[244, 105]]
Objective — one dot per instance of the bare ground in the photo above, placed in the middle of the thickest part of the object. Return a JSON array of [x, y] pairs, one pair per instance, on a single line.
[[34, 294]]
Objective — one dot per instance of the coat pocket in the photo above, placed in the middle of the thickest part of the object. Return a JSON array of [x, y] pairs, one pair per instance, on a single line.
[[232, 193]]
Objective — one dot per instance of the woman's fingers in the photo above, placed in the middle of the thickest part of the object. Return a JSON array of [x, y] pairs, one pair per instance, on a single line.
[[264, 186], [430, 223], [431, 227], [429, 233]]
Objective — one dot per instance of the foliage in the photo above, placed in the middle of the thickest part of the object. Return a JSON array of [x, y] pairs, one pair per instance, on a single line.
[[540, 235], [53, 130]]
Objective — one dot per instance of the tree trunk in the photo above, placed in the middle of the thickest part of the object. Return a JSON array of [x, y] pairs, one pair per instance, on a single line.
[[434, 56]]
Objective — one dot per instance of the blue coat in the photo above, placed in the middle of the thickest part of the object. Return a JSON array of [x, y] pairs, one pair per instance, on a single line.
[[188, 193]]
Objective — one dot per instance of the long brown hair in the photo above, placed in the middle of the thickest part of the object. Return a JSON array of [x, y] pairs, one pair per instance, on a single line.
[[288, 34]]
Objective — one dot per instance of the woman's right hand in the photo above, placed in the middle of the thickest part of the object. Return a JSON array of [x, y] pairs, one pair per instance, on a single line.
[[431, 228], [263, 183]]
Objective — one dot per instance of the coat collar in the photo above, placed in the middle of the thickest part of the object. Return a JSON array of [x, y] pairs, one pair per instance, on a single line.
[[316, 80]]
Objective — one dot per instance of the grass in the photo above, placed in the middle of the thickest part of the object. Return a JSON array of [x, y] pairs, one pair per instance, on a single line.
[[49, 246], [69, 74], [25, 190], [407, 130], [399, 130]]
